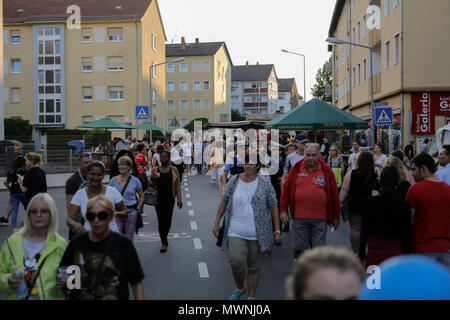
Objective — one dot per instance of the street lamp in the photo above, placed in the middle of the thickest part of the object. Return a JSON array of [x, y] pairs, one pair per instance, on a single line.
[[304, 70], [332, 40], [151, 92]]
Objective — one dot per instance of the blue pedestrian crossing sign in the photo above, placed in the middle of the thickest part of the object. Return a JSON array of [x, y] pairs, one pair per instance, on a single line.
[[142, 113], [383, 116]]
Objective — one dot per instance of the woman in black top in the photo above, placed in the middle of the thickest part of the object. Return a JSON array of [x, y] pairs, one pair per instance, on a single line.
[[34, 181], [386, 221], [167, 180], [358, 184], [12, 180]]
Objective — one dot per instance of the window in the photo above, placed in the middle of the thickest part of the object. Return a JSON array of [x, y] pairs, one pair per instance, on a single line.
[[183, 67], [206, 104], [15, 37], [183, 123], [15, 95], [197, 86], [115, 34], [197, 66], [359, 74], [86, 64], [386, 7], [397, 49], [206, 85], [170, 68], [115, 93], [115, 64], [170, 86], [184, 86], [86, 119], [364, 70], [395, 3], [184, 105], [359, 32], [15, 65], [205, 67], [86, 35], [353, 34], [170, 104], [223, 118], [197, 105], [87, 93], [153, 42], [364, 27], [354, 77], [387, 55]]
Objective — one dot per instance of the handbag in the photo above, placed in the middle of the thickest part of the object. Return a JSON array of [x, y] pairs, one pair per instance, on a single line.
[[220, 236], [151, 195], [345, 210]]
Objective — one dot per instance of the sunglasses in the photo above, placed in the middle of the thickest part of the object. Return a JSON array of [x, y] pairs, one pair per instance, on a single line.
[[102, 215]]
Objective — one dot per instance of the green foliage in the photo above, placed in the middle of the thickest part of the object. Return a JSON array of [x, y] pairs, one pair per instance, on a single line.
[[95, 136], [323, 79], [236, 116], [57, 139], [18, 129], [157, 135], [190, 126], [65, 132]]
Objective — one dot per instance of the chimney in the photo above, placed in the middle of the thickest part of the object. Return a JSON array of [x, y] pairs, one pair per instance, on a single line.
[[197, 42], [183, 43], [246, 63], [257, 63]]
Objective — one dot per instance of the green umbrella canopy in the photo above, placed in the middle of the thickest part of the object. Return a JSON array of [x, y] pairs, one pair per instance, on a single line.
[[105, 123], [146, 126], [316, 115]]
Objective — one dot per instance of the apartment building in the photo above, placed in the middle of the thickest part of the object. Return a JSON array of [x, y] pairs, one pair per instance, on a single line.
[[254, 89], [287, 95], [410, 57], [200, 86], [60, 77]]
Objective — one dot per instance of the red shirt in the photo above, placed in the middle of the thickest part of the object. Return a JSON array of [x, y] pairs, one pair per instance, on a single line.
[[141, 162], [431, 225], [310, 195]]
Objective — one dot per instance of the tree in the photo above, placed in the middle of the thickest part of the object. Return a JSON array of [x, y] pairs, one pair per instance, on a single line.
[[190, 126], [18, 129], [236, 115], [323, 80]]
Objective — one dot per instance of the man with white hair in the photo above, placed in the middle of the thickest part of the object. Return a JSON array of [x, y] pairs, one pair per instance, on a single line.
[[310, 191]]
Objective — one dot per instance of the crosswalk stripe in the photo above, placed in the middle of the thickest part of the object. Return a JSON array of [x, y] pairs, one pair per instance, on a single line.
[[188, 195], [203, 270], [191, 213], [189, 203], [194, 225], [198, 244]]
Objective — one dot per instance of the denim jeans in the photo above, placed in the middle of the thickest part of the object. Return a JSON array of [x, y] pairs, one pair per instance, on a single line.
[[16, 198]]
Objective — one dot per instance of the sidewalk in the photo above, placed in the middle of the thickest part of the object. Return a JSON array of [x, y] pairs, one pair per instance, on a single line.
[[56, 180]]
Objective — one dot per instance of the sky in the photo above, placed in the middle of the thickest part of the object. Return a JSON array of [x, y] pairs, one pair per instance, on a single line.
[[257, 31]]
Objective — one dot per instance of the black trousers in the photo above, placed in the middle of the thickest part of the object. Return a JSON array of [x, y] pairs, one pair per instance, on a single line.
[[164, 212], [180, 168]]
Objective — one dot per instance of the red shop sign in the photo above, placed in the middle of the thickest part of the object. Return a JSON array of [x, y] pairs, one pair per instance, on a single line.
[[425, 106]]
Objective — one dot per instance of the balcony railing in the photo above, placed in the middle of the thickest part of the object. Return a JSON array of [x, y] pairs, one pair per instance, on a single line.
[[374, 38], [252, 90], [255, 104]]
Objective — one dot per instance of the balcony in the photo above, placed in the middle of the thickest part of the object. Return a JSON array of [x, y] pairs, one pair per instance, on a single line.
[[255, 90], [376, 83], [374, 37], [375, 2], [255, 104]]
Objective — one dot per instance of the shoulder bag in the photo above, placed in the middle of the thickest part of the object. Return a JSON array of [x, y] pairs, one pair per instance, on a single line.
[[151, 194]]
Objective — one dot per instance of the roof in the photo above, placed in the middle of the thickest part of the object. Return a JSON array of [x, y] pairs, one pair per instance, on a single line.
[[285, 85], [251, 72], [91, 10], [336, 15], [202, 49]]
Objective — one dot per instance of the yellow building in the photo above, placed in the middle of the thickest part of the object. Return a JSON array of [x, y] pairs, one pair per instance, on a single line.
[[200, 86], [3, 92], [61, 74], [410, 64]]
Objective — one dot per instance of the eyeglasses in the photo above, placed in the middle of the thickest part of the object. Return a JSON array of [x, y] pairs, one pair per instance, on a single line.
[[102, 215], [41, 211]]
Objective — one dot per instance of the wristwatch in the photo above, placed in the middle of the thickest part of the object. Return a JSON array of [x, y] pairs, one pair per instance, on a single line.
[[277, 231]]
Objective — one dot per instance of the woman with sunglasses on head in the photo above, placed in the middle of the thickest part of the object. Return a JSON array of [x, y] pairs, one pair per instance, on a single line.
[[107, 260], [167, 180], [30, 257], [34, 181], [96, 174], [129, 187]]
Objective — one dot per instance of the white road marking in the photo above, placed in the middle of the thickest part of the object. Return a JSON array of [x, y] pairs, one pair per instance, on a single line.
[[175, 235], [203, 270], [189, 203], [191, 213], [188, 195], [194, 225], [145, 222], [185, 184], [198, 244], [186, 189]]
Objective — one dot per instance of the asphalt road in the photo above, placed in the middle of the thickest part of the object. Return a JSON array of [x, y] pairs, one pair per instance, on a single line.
[[194, 268]]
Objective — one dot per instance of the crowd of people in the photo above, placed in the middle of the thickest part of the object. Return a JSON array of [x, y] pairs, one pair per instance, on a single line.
[[396, 205]]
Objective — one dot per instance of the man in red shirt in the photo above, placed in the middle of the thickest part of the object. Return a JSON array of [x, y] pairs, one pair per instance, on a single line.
[[310, 192], [429, 200]]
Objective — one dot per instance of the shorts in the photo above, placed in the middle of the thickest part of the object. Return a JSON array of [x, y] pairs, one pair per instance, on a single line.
[[308, 233], [245, 256]]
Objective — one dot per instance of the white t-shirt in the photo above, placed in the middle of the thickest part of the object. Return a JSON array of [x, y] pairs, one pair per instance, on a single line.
[[187, 149], [175, 155], [80, 199], [380, 162], [352, 160], [242, 222]]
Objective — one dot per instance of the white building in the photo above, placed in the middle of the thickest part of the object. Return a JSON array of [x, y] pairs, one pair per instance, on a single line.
[[287, 95]]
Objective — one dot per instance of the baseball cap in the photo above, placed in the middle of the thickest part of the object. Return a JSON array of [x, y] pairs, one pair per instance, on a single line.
[[301, 138]]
